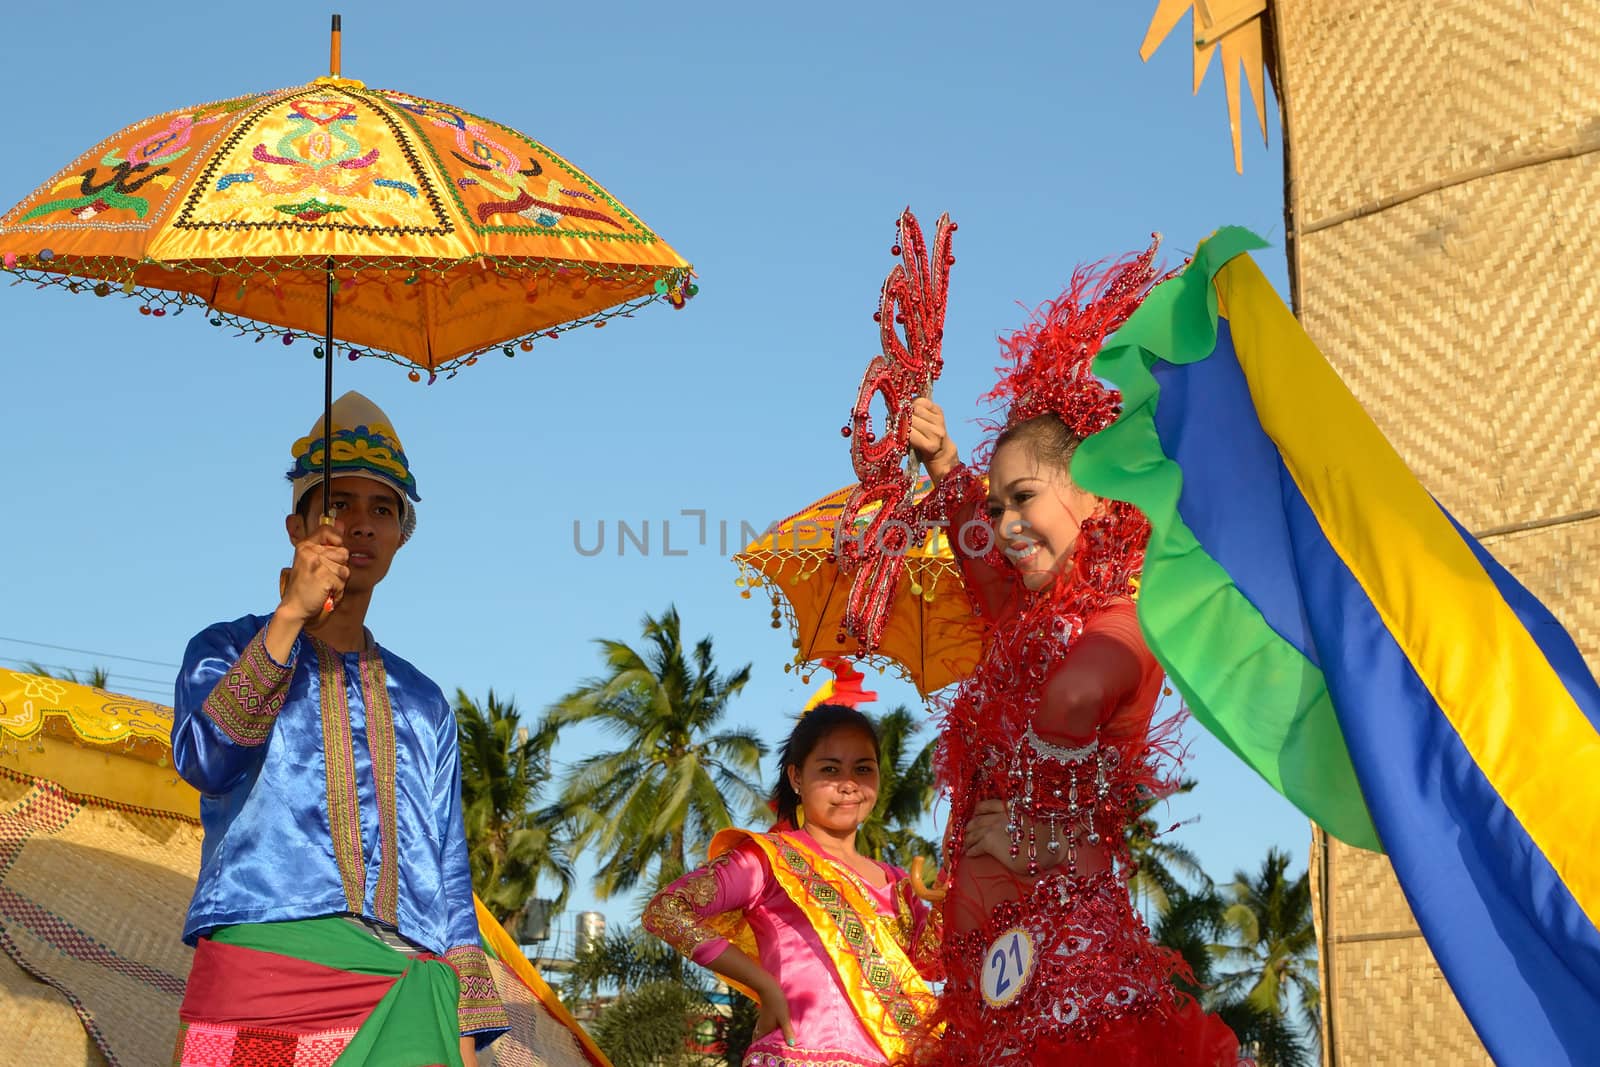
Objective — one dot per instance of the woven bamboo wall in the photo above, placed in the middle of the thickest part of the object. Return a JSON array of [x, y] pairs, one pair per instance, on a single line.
[[1390, 1004], [1443, 190]]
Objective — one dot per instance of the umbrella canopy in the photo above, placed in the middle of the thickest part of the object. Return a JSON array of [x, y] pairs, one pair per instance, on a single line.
[[447, 235], [931, 637]]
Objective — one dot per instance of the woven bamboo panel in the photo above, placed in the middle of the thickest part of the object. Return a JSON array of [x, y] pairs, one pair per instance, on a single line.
[[40, 1025], [94, 898], [1561, 566], [1391, 1004], [1387, 95]]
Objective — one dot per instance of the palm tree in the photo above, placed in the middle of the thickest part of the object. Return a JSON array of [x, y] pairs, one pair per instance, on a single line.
[[905, 792], [739, 1033], [1269, 1040], [1208, 928], [1162, 867], [677, 779], [1273, 960], [625, 961], [650, 1026], [94, 677], [1190, 925], [504, 770], [645, 1021]]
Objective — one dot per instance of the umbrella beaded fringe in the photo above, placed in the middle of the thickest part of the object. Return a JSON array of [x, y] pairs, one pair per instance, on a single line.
[[102, 278]]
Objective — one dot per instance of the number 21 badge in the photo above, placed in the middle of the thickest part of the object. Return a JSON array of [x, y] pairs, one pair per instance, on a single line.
[[1007, 966]]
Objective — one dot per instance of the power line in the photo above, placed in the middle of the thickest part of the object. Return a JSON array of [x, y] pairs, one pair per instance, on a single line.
[[117, 687], [77, 670], [139, 692], [134, 692], [89, 652]]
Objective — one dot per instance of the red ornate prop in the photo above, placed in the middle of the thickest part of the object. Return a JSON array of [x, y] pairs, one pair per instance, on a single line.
[[911, 327]]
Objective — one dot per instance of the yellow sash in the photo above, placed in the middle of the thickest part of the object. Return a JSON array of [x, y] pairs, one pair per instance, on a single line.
[[877, 977]]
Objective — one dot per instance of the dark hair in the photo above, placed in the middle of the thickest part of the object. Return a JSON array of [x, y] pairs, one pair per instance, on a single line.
[[813, 726], [1047, 435]]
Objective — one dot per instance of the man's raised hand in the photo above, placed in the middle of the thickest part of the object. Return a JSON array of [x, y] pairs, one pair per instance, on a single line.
[[321, 567]]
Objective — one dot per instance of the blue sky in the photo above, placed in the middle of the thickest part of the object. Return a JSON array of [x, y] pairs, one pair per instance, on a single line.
[[774, 146]]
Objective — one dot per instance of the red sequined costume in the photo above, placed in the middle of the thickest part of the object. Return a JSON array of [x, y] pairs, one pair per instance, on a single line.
[[1054, 966]]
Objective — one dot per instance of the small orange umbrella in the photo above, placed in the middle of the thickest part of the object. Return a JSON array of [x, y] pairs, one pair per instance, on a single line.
[[410, 229], [932, 637]]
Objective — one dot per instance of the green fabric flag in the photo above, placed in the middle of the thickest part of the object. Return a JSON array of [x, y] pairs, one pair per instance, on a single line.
[[1250, 688]]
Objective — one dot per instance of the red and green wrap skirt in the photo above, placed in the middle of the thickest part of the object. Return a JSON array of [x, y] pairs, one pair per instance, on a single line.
[[316, 993]]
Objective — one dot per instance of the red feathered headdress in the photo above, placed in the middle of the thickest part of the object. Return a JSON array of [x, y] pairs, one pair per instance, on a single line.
[[1047, 362]]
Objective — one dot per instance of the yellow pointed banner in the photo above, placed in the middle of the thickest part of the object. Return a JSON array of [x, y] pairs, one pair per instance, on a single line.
[[1237, 29], [91, 742]]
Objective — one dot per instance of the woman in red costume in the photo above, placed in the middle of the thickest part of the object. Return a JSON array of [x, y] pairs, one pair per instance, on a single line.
[[1048, 749]]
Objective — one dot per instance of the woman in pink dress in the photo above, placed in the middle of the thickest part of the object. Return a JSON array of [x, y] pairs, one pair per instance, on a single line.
[[834, 946]]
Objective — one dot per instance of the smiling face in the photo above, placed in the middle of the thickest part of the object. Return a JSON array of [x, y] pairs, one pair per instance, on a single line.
[[838, 782], [368, 513], [1036, 511]]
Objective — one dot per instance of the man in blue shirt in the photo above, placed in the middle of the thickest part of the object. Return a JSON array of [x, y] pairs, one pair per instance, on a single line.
[[334, 903]]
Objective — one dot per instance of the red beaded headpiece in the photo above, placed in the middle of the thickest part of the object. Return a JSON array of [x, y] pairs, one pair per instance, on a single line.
[[1048, 361]]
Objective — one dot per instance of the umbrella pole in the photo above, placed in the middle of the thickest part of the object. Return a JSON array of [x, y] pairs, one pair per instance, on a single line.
[[327, 407], [327, 420], [327, 359], [327, 340], [911, 453], [333, 48]]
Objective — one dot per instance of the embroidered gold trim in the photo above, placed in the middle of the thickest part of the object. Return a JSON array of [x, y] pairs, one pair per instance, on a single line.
[[479, 1006], [676, 914], [926, 946], [905, 919], [246, 701], [339, 758], [381, 742], [756, 1058], [902, 1005], [889, 996]]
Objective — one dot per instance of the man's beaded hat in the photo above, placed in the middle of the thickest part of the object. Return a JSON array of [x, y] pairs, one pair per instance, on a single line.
[[364, 446]]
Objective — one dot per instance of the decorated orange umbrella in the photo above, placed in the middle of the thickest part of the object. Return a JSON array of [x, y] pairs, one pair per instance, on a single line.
[[409, 229], [931, 635]]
